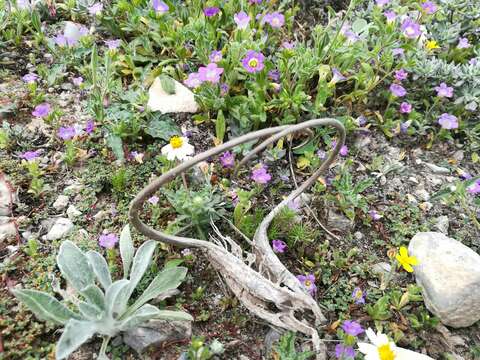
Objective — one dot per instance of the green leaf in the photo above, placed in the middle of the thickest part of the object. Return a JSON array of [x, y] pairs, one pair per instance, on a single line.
[[115, 143], [116, 297], [173, 263], [100, 268], [127, 250], [359, 25], [74, 266], [168, 85], [45, 306], [163, 128], [141, 262], [89, 311], [220, 126], [75, 334], [165, 280], [147, 312], [94, 296]]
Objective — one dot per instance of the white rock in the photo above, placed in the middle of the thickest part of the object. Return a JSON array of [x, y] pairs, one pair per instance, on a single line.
[[7, 228], [449, 275], [442, 224], [422, 194], [183, 101], [61, 202], [61, 228], [73, 212], [6, 197]]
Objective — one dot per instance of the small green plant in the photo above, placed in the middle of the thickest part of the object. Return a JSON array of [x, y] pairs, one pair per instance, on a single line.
[[119, 180], [104, 312], [380, 310], [285, 350], [200, 351], [37, 184]]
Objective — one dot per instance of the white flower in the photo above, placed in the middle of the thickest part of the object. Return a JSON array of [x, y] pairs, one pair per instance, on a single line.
[[178, 148], [380, 348]]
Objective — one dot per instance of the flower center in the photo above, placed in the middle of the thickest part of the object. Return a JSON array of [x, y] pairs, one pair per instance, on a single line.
[[385, 353], [253, 63], [176, 142], [358, 294], [410, 31], [308, 283]]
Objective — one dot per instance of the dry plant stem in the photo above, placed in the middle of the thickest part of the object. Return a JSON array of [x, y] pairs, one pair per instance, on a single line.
[[273, 284]]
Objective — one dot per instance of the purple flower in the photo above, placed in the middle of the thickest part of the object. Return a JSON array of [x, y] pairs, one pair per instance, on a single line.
[[224, 89], [95, 9], [344, 352], [398, 90], [260, 175], [274, 75], [71, 34], [211, 11], [66, 132], [429, 7], [411, 29], [337, 76], [473, 61], [474, 188], [321, 154], [404, 126], [352, 328], [289, 45], [241, 19], [159, 6], [294, 204], [254, 2], [279, 246], [444, 91], [374, 215], [77, 81], [361, 120], [382, 2], [448, 121], [401, 75], [343, 150], [253, 61], [398, 51], [153, 200], [215, 56], [113, 44], [463, 43], [193, 81], [31, 155], [358, 296], [60, 40], [108, 241], [276, 19], [210, 73], [41, 110], [227, 159], [390, 15], [308, 282], [30, 78], [90, 126], [346, 30], [465, 175], [405, 107]]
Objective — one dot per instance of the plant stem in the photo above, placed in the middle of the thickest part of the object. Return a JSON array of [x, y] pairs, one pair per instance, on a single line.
[[103, 349]]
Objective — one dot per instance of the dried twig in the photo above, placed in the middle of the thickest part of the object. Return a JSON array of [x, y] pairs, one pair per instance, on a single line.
[[272, 284]]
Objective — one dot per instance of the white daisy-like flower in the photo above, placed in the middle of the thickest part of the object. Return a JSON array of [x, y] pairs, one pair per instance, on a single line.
[[178, 148], [380, 348]]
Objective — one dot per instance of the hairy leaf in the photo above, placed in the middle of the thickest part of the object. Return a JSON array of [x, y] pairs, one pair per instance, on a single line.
[[45, 306], [127, 250], [75, 334], [100, 268], [94, 296], [141, 262], [74, 266]]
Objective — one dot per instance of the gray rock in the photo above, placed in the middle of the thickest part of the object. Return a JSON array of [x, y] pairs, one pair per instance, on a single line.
[[182, 101], [339, 221], [358, 235], [442, 223], [422, 194], [459, 155], [61, 202], [449, 275], [156, 332], [437, 169], [382, 268], [61, 228], [73, 212]]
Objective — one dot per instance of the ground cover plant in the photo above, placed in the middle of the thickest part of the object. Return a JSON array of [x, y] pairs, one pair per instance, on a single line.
[[99, 98]]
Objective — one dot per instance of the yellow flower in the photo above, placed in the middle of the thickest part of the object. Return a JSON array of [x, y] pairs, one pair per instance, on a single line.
[[431, 45], [406, 261]]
